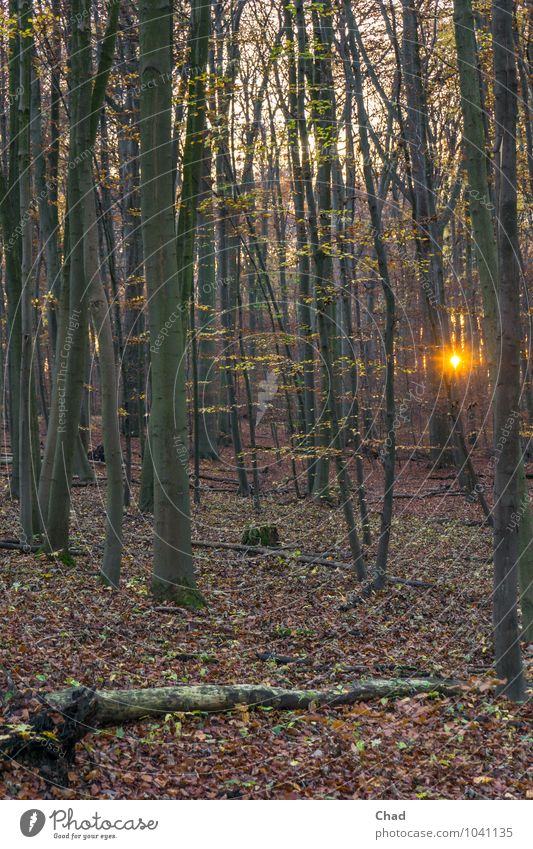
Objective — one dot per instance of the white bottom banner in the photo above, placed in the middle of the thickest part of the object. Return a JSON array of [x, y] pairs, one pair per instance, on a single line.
[[265, 824]]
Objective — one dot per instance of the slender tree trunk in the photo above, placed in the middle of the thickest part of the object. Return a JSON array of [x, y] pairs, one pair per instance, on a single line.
[[193, 346], [28, 472], [46, 191], [426, 234], [10, 215], [190, 193], [296, 130], [249, 400], [325, 292], [208, 431], [193, 153], [146, 491], [99, 310], [133, 369], [389, 450]]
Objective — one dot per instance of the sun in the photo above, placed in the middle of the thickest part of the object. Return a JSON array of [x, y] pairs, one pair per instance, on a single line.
[[455, 359]]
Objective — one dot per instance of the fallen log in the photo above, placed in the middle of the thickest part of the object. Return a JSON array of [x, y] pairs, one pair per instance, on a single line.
[[304, 557], [280, 551], [117, 706], [20, 546], [15, 545], [286, 551]]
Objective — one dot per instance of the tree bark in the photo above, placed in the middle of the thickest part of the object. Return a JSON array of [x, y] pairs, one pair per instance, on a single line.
[[427, 236], [71, 358], [507, 388], [207, 296], [486, 250], [173, 570], [99, 309], [117, 706], [10, 219], [29, 463], [389, 451]]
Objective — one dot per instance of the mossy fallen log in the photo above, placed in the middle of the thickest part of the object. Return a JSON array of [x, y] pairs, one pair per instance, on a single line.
[[115, 707]]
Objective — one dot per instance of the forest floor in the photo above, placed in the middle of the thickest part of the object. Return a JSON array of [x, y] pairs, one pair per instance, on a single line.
[[60, 626]]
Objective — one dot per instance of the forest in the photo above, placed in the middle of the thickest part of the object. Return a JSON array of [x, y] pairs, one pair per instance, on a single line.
[[266, 399]]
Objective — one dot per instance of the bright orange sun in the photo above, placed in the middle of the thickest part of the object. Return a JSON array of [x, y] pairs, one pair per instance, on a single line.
[[455, 360]]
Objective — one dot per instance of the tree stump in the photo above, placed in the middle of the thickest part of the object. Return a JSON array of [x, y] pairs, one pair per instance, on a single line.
[[266, 535]]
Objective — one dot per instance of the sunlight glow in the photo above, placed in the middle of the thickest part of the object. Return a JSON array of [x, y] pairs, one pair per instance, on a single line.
[[455, 360]]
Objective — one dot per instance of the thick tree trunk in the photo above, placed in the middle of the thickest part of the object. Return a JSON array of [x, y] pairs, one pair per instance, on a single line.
[[64, 449], [482, 216], [507, 388], [173, 570], [70, 360]]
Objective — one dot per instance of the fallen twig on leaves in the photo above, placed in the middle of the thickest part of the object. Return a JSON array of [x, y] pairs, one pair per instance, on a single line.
[[303, 557], [280, 659]]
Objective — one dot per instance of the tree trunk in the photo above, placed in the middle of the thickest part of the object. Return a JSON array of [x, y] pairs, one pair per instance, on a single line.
[[173, 570], [207, 296], [64, 450], [325, 294], [99, 309], [47, 203], [424, 218], [507, 388], [389, 449], [70, 360], [296, 133], [133, 367], [29, 472], [10, 217], [482, 216]]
